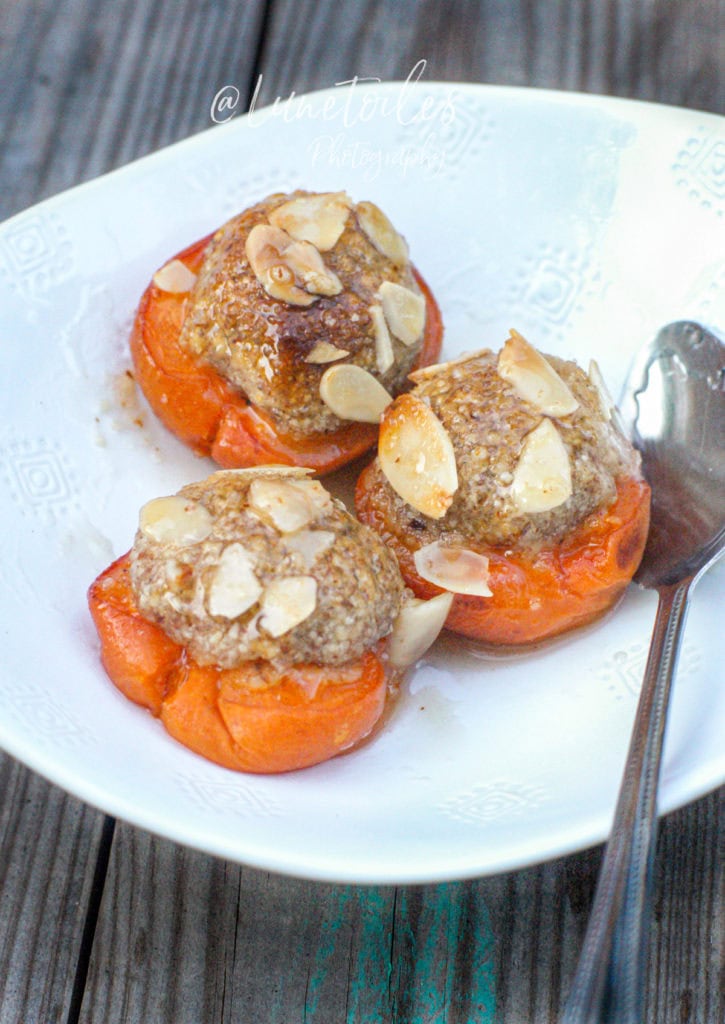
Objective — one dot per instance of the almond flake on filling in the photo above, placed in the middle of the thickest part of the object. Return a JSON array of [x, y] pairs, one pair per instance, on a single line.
[[175, 277], [379, 229], [325, 352], [404, 311], [416, 455], [383, 345], [288, 504], [453, 568], [309, 544], [293, 272], [353, 394], [234, 588], [175, 520], [319, 219], [534, 378], [287, 602], [542, 478]]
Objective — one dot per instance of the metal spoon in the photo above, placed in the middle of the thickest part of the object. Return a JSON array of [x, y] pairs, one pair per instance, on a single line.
[[674, 410]]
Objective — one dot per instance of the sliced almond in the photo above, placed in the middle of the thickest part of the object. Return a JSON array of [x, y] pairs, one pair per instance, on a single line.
[[265, 247], [319, 219], [457, 569], [433, 369], [534, 378], [417, 457], [381, 233], [404, 311], [309, 268], [325, 352], [383, 345], [287, 602], [234, 587], [309, 544], [416, 627], [175, 277], [542, 478], [287, 503], [175, 520], [269, 470], [353, 394], [606, 402], [291, 271]]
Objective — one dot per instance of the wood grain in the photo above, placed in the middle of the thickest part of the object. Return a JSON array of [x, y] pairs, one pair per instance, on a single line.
[[169, 935], [92, 86], [256, 946], [49, 845], [645, 49]]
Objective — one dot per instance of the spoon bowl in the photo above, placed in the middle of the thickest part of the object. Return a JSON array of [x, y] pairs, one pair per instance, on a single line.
[[673, 408]]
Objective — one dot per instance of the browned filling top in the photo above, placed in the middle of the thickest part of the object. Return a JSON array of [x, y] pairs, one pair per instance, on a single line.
[[271, 310]]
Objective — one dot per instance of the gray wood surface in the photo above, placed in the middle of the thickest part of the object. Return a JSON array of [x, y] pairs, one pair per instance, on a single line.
[[103, 923]]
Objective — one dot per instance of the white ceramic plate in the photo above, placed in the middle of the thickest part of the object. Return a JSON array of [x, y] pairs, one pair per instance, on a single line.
[[584, 222]]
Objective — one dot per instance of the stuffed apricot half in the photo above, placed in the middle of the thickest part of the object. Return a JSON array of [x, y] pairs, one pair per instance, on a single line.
[[505, 481], [282, 337], [261, 622]]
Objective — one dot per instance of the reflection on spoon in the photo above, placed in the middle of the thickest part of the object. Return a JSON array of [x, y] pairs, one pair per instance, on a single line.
[[674, 408]]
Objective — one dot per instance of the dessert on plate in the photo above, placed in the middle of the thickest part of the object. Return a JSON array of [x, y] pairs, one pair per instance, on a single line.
[[281, 338], [260, 621], [503, 479]]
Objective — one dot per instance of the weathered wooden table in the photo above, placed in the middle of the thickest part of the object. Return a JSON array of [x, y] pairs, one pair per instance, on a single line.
[[101, 922]]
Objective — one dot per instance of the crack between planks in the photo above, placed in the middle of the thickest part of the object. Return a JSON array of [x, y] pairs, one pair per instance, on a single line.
[[264, 23], [91, 920]]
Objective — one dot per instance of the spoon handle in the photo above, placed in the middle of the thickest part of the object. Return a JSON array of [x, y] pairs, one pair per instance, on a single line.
[[608, 984]]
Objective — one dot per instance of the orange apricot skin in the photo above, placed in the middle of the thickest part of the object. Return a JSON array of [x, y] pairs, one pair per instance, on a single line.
[[249, 719], [540, 596]]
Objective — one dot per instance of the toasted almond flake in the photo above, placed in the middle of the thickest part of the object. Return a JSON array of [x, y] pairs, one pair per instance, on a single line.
[[456, 569], [308, 267], [291, 271], [287, 503], [433, 369], [534, 378], [175, 520], [265, 247], [309, 544], [175, 277], [381, 233], [606, 402], [234, 587], [287, 602], [416, 627], [271, 469], [383, 345], [542, 478], [319, 219], [417, 457], [325, 352], [353, 394], [404, 311]]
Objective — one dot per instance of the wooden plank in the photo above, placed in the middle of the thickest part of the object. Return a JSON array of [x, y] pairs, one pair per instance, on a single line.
[[647, 49], [95, 85], [49, 845], [184, 937]]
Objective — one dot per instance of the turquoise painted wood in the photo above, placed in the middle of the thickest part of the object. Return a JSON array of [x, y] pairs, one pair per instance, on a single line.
[[421, 955]]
